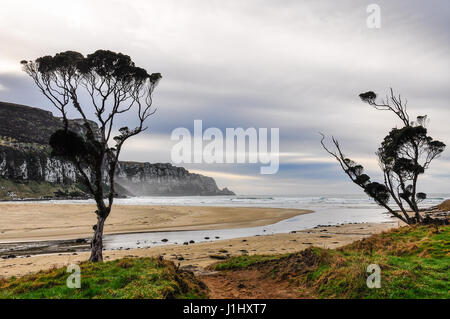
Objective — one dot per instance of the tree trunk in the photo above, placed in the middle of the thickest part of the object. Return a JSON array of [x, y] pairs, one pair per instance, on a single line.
[[97, 240]]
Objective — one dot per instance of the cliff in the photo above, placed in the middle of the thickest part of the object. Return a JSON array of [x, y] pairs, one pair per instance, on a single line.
[[28, 170]]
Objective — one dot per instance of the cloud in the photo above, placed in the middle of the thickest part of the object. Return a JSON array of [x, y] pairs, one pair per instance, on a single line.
[[294, 65]]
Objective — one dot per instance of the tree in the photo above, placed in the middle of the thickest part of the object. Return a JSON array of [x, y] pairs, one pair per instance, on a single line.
[[113, 85], [404, 155]]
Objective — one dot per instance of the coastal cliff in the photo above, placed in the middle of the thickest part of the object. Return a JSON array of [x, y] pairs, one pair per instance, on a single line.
[[28, 170]]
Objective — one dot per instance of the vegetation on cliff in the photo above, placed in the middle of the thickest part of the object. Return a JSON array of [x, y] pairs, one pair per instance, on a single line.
[[28, 171]]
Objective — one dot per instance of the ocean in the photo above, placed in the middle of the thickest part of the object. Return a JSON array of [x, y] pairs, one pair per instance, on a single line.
[[328, 210]]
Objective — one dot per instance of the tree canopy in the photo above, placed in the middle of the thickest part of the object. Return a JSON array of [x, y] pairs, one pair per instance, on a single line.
[[114, 85], [404, 155]]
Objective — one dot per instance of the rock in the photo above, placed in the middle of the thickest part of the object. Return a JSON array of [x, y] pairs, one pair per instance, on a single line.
[[24, 156], [222, 257], [191, 242], [185, 243], [206, 237], [180, 258], [164, 240]]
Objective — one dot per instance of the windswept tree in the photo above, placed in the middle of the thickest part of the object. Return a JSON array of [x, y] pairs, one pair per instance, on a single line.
[[112, 85], [403, 156]]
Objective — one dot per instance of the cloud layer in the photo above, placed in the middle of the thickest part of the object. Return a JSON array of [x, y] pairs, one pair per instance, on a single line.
[[294, 65]]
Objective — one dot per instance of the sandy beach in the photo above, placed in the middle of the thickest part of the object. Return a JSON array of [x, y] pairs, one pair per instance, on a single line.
[[38, 221], [197, 256]]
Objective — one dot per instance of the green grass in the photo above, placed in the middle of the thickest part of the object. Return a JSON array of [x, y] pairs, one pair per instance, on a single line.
[[124, 278], [34, 189], [414, 262], [244, 261]]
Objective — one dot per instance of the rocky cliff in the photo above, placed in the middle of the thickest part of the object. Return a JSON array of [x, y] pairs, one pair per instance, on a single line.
[[28, 170]]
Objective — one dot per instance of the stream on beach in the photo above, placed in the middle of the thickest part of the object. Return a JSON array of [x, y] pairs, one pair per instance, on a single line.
[[328, 210]]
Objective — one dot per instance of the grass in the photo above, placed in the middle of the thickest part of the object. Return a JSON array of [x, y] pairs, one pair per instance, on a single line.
[[244, 261], [125, 278], [34, 189], [445, 205], [414, 262]]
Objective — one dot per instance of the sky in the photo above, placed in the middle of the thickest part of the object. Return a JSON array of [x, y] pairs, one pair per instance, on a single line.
[[293, 65]]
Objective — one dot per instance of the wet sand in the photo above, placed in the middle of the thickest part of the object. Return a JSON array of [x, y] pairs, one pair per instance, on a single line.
[[197, 256], [22, 222]]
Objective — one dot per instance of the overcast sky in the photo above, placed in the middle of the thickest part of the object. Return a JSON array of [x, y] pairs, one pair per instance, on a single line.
[[294, 65]]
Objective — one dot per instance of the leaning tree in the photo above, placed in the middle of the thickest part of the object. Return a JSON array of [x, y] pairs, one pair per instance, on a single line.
[[98, 87], [403, 156]]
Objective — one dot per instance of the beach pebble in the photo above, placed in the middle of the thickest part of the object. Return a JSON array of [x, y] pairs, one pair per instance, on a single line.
[[191, 242], [164, 240], [185, 243]]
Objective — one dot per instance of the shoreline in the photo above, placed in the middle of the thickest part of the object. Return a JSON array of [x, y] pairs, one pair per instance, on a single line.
[[198, 256], [25, 222]]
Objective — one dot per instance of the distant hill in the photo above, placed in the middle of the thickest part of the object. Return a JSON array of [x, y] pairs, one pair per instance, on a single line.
[[27, 124], [27, 170]]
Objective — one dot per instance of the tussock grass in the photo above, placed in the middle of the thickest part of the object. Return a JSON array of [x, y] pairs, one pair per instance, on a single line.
[[414, 262], [124, 278], [445, 205]]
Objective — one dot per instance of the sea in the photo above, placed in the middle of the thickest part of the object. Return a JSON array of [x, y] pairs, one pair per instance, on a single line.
[[328, 210]]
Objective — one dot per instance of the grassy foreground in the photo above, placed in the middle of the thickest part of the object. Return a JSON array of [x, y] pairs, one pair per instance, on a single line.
[[414, 262], [124, 278]]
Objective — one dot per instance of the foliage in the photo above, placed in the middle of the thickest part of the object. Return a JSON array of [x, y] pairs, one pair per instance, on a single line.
[[404, 155], [414, 263], [239, 262], [124, 278], [114, 85]]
